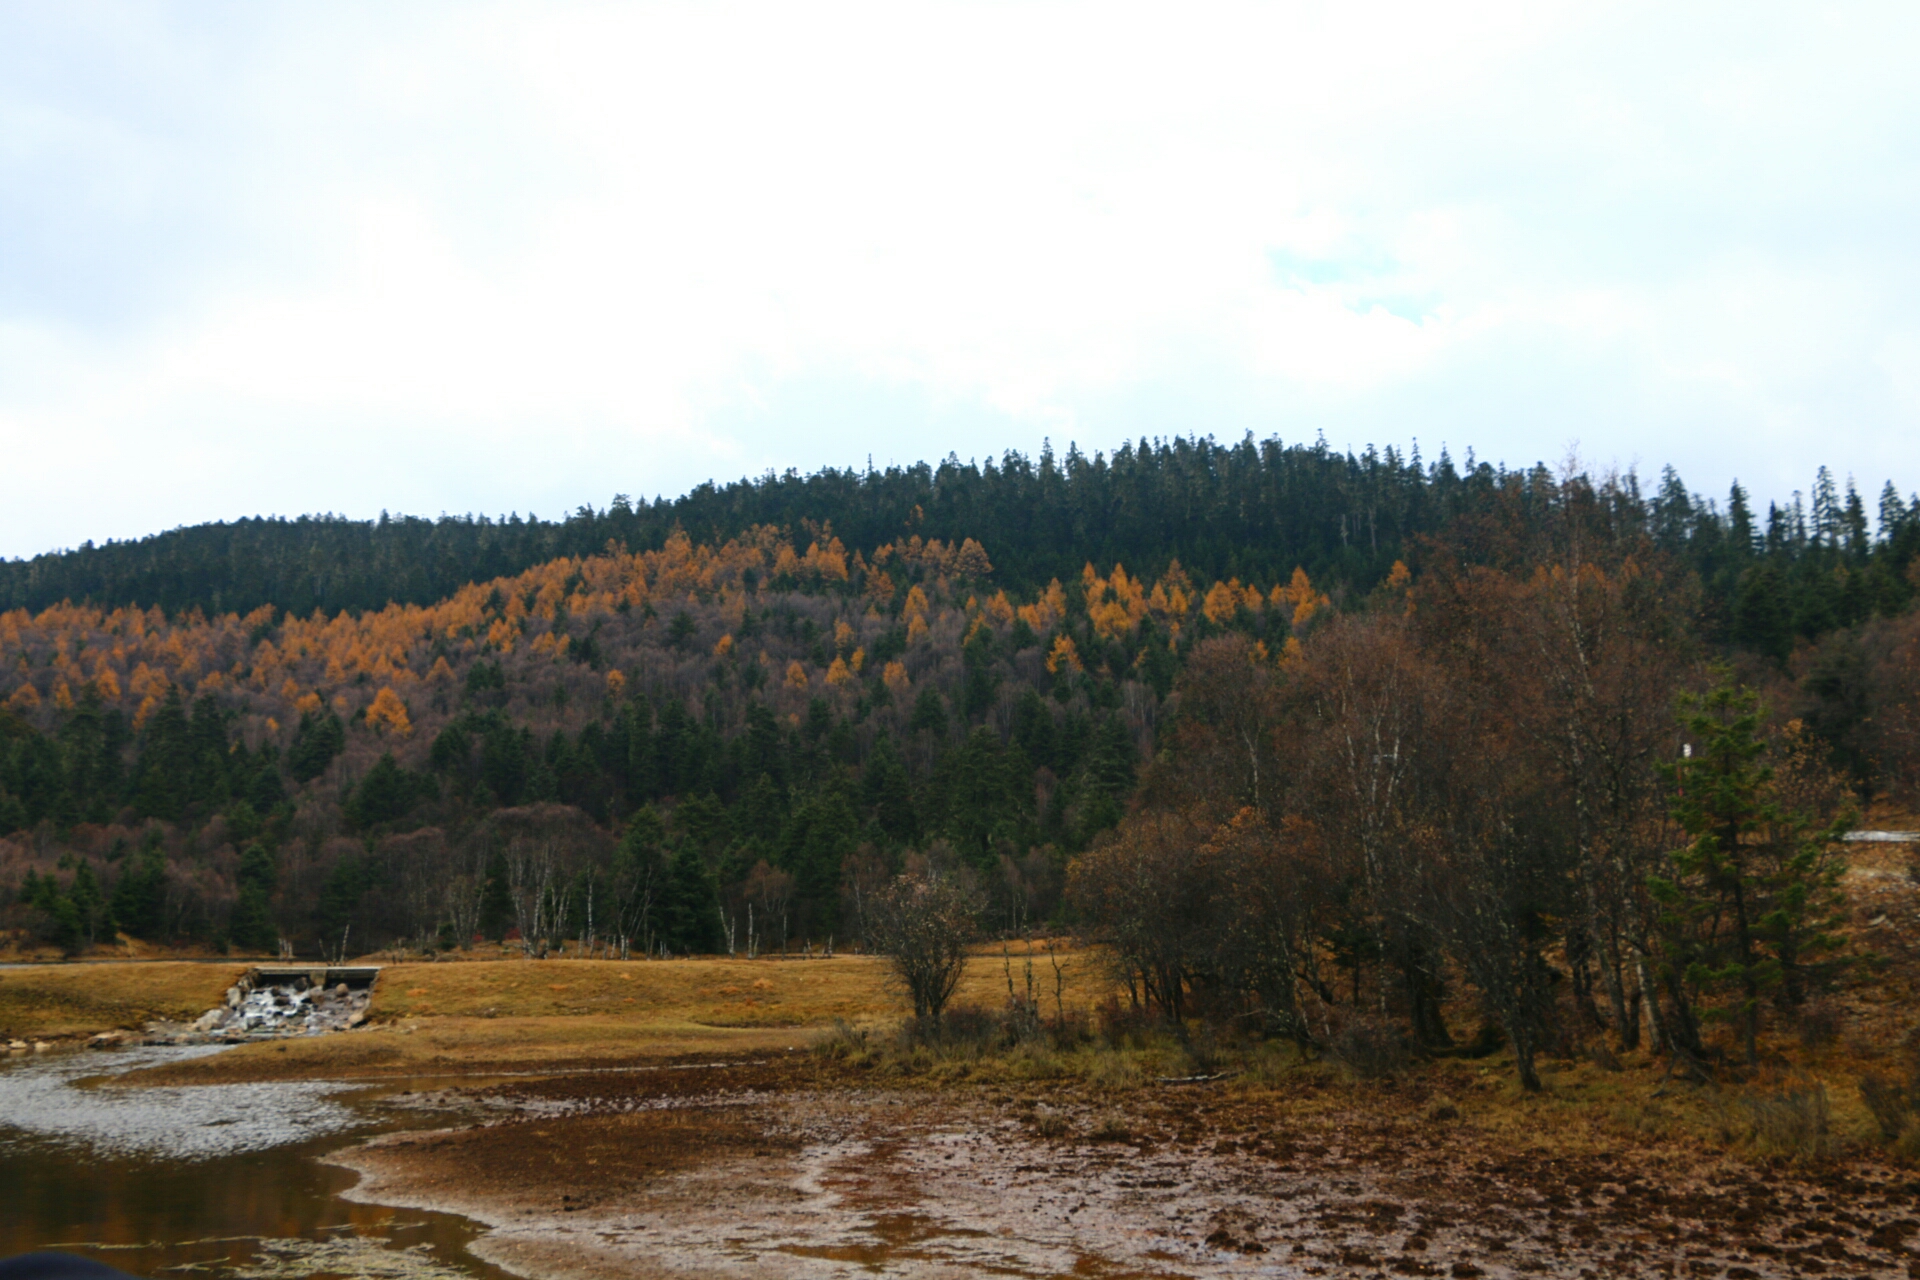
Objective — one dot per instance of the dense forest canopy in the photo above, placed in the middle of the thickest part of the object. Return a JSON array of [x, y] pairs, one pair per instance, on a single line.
[[1301, 736], [1254, 509]]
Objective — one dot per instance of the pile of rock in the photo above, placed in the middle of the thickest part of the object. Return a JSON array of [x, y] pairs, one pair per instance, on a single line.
[[293, 1009], [263, 1012]]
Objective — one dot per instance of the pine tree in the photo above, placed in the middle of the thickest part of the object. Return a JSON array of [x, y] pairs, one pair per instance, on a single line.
[[1762, 616], [1740, 528], [386, 794], [90, 915], [988, 795], [887, 790], [315, 744], [980, 680], [496, 901], [504, 763], [139, 897], [689, 915], [1745, 904], [1853, 526], [208, 784], [61, 922], [638, 877], [929, 713], [346, 887], [165, 772], [252, 927], [642, 766]]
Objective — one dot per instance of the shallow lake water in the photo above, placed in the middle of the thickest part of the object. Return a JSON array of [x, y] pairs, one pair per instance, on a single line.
[[222, 1180]]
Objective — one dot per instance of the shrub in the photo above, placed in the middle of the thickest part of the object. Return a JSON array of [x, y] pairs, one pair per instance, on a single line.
[[966, 1028], [1203, 1052], [1819, 1023], [1114, 1070], [1051, 1124], [1122, 1025], [1894, 1102], [1644, 1119], [1369, 1047], [1888, 1103], [1486, 1042], [841, 1042], [1791, 1122]]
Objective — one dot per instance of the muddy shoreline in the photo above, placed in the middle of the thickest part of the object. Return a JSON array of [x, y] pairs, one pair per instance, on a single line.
[[776, 1168]]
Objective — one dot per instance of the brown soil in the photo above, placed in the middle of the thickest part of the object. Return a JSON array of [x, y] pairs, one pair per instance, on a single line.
[[787, 1166]]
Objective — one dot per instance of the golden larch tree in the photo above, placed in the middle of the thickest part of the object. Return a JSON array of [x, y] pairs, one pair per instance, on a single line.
[[971, 560], [388, 712], [1222, 601]]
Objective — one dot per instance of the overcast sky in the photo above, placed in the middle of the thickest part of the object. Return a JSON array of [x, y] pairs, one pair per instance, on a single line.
[[289, 258]]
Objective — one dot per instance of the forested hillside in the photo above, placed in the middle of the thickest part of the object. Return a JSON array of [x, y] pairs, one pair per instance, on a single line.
[[772, 716], [1254, 510], [1373, 691]]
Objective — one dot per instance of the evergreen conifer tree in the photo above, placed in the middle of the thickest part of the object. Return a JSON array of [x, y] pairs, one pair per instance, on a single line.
[[690, 920], [165, 769], [888, 792], [1747, 902], [139, 896], [496, 901], [252, 926], [315, 744]]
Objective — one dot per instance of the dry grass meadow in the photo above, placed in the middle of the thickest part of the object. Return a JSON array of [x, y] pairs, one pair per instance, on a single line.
[[514, 1015], [68, 1001]]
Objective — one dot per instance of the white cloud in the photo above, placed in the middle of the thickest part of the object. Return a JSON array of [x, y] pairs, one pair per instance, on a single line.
[[526, 255]]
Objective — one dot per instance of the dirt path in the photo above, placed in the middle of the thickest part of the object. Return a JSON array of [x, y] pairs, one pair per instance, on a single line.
[[753, 1169]]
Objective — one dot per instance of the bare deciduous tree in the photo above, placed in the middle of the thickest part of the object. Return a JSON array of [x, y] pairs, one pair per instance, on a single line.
[[922, 922]]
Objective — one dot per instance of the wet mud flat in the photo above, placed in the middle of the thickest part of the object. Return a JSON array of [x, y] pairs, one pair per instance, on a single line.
[[221, 1180], [767, 1168]]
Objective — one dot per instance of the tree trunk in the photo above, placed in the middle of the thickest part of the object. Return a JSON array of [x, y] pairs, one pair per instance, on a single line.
[[1626, 1013], [1520, 1036], [1743, 934], [1425, 991]]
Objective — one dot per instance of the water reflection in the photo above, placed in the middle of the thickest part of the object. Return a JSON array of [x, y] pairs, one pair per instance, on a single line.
[[221, 1178]]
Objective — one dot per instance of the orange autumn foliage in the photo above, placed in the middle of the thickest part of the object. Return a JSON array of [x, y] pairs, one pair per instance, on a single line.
[[387, 711], [272, 668]]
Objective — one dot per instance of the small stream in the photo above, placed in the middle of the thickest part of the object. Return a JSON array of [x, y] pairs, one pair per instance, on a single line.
[[221, 1180]]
